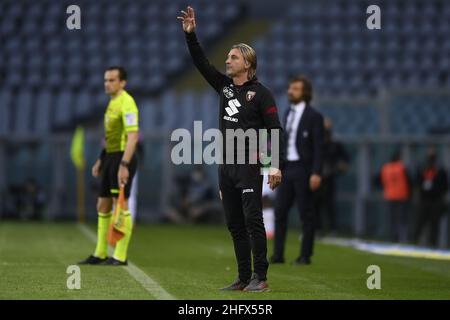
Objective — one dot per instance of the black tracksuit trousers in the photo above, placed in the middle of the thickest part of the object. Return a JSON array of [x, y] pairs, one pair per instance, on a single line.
[[241, 192]]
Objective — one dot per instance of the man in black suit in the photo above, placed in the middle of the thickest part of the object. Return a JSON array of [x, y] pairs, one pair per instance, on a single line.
[[433, 185], [304, 132]]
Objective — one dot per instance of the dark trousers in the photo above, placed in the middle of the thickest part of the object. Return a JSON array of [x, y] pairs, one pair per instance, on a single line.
[[398, 212], [294, 187], [325, 204], [430, 213], [241, 189]]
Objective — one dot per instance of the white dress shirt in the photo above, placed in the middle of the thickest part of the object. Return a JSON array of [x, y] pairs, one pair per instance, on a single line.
[[292, 123]]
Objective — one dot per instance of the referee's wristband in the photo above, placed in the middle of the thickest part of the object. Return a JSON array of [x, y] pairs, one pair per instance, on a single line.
[[102, 154], [124, 163]]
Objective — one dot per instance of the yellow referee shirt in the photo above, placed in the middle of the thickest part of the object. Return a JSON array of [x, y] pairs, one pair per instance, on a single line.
[[121, 117]]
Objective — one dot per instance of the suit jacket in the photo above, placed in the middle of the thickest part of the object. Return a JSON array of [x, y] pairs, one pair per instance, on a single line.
[[310, 139]]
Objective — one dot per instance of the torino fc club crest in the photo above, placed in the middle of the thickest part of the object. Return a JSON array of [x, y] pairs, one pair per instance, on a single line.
[[250, 94]]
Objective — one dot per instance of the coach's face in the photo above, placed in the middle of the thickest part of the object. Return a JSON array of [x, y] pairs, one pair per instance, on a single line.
[[295, 92], [235, 63], [112, 82]]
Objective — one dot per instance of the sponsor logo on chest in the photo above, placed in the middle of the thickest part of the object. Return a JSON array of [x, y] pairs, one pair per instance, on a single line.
[[233, 105], [232, 109]]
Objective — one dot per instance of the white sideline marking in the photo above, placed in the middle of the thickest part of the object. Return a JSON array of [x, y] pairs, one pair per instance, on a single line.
[[393, 249], [140, 276]]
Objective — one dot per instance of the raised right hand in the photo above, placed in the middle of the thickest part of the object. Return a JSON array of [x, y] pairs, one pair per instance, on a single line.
[[188, 19]]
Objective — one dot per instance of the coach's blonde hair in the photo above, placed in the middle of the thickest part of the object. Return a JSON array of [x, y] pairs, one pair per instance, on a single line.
[[249, 55]]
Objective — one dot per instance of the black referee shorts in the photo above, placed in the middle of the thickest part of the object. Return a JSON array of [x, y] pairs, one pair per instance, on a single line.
[[109, 184]]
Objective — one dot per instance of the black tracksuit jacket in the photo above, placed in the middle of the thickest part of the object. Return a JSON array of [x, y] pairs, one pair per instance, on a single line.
[[255, 107]]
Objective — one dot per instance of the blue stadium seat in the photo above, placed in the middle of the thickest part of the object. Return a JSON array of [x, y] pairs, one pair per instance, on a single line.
[[34, 79], [16, 61], [156, 81], [208, 109], [14, 79], [22, 121], [148, 115], [5, 110], [42, 111], [82, 104], [62, 109], [168, 106], [99, 100], [187, 110]]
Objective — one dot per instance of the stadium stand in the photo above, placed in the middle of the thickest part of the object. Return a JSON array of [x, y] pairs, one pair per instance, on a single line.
[[63, 84], [321, 39]]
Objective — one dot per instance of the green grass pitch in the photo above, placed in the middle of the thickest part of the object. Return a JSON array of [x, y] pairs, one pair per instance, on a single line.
[[192, 262]]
